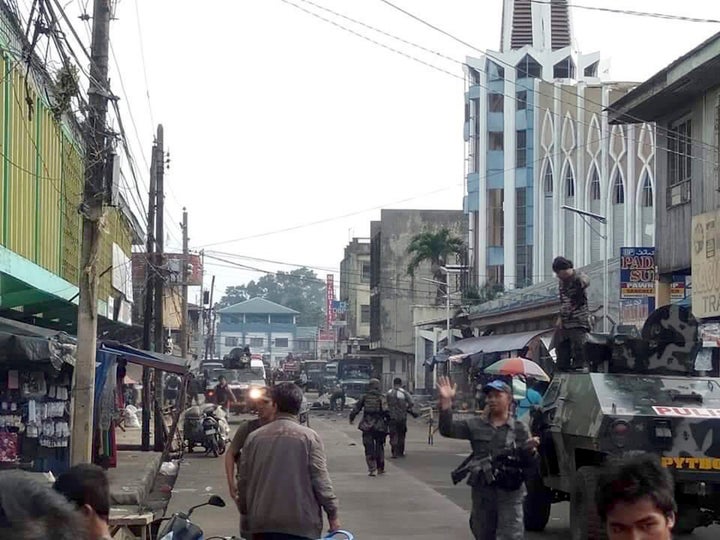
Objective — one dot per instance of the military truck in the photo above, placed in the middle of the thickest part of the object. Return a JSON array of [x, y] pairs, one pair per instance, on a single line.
[[640, 394]]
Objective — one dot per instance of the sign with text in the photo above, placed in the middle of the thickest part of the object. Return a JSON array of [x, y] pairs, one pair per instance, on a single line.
[[637, 272], [706, 265], [330, 297], [677, 289], [635, 311]]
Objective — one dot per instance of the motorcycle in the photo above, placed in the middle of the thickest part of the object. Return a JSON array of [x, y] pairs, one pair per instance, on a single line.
[[206, 426], [179, 526]]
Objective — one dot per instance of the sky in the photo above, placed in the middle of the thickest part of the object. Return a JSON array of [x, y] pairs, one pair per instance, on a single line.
[[275, 119]]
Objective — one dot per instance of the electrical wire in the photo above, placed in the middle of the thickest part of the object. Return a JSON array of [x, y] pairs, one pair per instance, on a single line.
[[667, 16], [142, 59]]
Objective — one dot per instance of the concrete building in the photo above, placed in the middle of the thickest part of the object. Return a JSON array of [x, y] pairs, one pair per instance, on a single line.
[[355, 293], [538, 138], [684, 101], [266, 327], [394, 293]]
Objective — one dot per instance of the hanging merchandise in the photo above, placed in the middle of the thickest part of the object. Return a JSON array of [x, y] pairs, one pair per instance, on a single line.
[[8, 447]]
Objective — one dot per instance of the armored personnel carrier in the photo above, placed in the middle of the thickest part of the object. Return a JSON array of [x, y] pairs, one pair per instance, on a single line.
[[641, 394]]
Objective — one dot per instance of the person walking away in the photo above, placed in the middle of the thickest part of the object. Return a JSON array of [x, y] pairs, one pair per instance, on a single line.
[[374, 426], [284, 483], [635, 499], [573, 324], [497, 483], [194, 389], [400, 403], [224, 394], [266, 414], [172, 388], [87, 487]]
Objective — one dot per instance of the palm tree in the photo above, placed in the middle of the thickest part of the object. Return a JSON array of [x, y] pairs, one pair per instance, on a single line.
[[434, 247]]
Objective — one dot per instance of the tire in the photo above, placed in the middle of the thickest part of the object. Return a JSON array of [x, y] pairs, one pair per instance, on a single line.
[[585, 523], [221, 446], [536, 506]]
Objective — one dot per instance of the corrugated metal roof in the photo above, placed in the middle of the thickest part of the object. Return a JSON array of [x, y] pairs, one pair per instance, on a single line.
[[258, 306]]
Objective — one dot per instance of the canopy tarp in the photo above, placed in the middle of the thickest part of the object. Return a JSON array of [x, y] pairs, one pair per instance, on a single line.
[[20, 342], [487, 344], [164, 362]]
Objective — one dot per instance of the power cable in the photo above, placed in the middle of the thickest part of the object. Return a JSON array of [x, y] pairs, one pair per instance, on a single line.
[[667, 16], [142, 59], [563, 89]]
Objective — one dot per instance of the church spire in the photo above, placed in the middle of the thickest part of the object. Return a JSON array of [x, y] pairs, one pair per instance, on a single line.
[[540, 24]]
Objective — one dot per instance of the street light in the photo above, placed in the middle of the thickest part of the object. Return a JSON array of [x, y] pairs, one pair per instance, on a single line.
[[606, 272]]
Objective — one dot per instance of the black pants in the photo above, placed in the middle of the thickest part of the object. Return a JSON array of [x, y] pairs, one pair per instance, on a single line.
[[398, 430], [374, 443], [570, 348]]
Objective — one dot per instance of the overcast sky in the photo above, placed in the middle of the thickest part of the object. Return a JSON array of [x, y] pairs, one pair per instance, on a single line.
[[275, 119]]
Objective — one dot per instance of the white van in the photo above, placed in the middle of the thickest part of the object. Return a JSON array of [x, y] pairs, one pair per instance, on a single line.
[[258, 368]]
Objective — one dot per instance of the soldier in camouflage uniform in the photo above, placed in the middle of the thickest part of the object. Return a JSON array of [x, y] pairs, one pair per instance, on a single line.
[[497, 509], [374, 426], [574, 322], [400, 403]]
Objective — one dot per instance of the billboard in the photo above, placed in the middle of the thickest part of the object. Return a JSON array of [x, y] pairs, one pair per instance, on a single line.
[[174, 265], [339, 313], [706, 265], [637, 272]]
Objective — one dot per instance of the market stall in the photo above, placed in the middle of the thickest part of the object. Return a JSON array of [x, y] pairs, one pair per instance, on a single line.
[[36, 367]]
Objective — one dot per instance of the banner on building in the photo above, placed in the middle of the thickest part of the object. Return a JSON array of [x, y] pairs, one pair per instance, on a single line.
[[195, 269], [635, 311], [637, 272], [330, 297], [339, 313], [677, 289], [706, 265]]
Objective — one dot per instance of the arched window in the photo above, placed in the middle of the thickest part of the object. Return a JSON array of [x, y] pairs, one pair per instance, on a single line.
[[646, 196], [618, 189], [594, 184], [569, 182], [548, 180]]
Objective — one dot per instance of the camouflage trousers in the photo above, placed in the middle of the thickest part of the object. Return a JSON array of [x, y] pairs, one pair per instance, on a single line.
[[497, 513], [570, 348]]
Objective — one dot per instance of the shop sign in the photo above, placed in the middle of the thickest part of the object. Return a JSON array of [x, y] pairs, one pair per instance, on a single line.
[[706, 265], [637, 272]]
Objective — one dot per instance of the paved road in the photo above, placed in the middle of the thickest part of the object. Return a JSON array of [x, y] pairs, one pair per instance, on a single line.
[[416, 498], [432, 466]]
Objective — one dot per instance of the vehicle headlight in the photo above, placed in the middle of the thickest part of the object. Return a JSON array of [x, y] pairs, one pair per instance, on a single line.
[[255, 393]]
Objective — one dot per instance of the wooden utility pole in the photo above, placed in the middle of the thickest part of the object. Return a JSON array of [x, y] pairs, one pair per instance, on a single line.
[[149, 300], [160, 274], [96, 151], [185, 276]]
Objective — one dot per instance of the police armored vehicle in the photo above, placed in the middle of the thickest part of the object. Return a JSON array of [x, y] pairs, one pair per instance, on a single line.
[[641, 394]]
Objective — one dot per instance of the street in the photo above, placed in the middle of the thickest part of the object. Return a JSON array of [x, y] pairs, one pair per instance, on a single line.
[[416, 499]]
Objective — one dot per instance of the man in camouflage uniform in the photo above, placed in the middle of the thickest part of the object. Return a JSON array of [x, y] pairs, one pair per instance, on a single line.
[[400, 403], [574, 322], [497, 508], [374, 426]]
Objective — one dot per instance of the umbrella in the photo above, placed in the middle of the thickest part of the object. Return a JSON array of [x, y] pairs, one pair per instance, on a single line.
[[517, 366]]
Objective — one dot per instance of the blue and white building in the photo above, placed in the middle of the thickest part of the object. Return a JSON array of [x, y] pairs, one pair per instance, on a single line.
[[537, 138]]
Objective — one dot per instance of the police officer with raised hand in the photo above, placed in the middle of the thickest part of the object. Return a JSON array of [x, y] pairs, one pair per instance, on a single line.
[[503, 453]]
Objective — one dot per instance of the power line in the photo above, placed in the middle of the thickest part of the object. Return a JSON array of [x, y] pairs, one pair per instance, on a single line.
[[142, 58], [507, 64], [667, 16]]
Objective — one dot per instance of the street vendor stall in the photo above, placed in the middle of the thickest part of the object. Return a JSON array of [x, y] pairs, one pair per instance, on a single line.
[[36, 367]]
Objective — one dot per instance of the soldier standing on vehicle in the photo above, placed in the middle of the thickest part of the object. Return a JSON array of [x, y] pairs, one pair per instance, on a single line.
[[374, 426], [400, 403], [574, 322], [497, 484]]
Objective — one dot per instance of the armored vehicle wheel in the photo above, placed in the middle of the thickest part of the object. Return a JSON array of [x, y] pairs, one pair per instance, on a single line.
[[585, 522], [536, 507]]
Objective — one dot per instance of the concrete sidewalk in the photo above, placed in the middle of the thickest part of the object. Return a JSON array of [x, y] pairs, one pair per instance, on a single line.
[[395, 505]]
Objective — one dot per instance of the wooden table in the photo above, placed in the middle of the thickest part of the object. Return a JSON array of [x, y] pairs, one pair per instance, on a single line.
[[138, 525]]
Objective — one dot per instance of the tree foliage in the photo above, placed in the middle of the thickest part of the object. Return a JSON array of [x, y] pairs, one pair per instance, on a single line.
[[434, 247], [300, 289]]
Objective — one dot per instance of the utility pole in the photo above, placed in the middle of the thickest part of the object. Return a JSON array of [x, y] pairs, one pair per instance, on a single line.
[[149, 300], [185, 278], [159, 282], [96, 150], [210, 340]]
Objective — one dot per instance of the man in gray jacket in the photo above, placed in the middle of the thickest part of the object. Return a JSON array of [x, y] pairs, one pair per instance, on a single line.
[[284, 482]]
